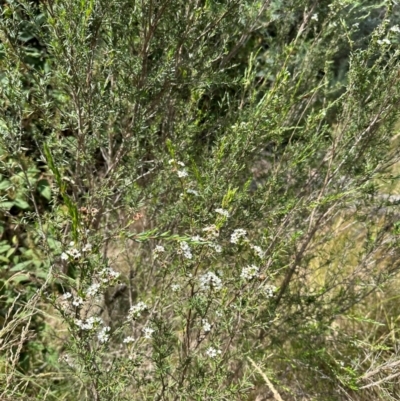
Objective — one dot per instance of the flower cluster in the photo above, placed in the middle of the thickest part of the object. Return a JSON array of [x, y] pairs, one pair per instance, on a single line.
[[258, 251], [249, 272], [217, 248], [74, 253], [237, 235], [136, 310], [187, 252], [157, 250], [108, 275], [128, 340], [192, 191], [269, 290], [212, 352], [206, 325], [148, 332], [222, 212], [89, 324], [103, 335], [182, 173], [210, 281], [211, 231], [93, 290]]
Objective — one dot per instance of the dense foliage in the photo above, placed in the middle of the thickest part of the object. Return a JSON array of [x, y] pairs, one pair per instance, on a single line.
[[198, 200]]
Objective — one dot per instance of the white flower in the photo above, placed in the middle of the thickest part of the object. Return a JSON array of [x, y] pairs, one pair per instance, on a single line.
[[383, 41], [67, 295], [128, 340], [74, 253], [223, 212], [135, 311], [89, 323], [210, 281], [249, 272], [78, 302], [395, 28], [102, 335], [148, 332], [206, 325], [258, 251], [157, 250], [182, 164], [93, 290], [108, 274], [64, 256], [217, 248], [269, 291], [87, 248], [72, 243], [212, 231], [237, 234], [314, 17], [192, 191], [171, 161], [356, 25], [197, 238], [212, 352], [187, 253], [175, 287], [182, 173]]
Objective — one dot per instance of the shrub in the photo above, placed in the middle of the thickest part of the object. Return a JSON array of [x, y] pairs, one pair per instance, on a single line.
[[204, 196]]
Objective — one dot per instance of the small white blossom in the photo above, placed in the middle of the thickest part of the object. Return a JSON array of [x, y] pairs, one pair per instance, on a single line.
[[171, 161], [148, 332], [159, 249], [383, 41], [187, 253], [237, 235], [89, 323], [108, 274], [249, 272], [87, 248], [129, 340], [356, 25], [182, 173], [72, 243], [93, 290], [258, 251], [197, 238], [74, 253], [222, 212], [212, 231], [67, 295], [210, 281], [217, 248], [192, 191], [212, 352], [314, 17], [78, 302], [136, 310], [102, 335], [395, 28], [206, 325], [64, 256], [269, 291], [182, 164], [175, 287]]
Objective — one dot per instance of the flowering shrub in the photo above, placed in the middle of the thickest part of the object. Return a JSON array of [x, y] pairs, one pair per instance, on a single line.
[[220, 197]]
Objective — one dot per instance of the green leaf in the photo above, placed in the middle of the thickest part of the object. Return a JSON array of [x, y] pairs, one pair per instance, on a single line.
[[44, 189], [4, 185], [6, 205], [21, 204], [4, 247], [21, 266]]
